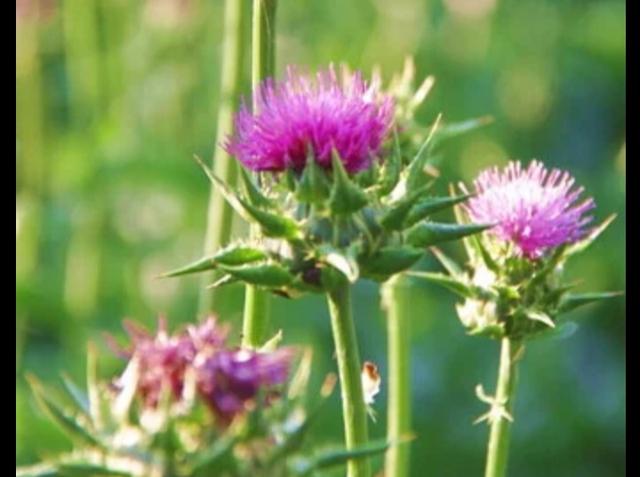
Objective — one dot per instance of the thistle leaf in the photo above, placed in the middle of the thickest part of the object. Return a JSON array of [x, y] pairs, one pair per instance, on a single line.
[[455, 285], [388, 261], [346, 197], [470, 246], [272, 224], [450, 266], [272, 344], [571, 301], [217, 457], [541, 317], [340, 457], [255, 196], [77, 395], [396, 216], [271, 275], [224, 280], [67, 423], [78, 469], [583, 244], [449, 131], [313, 187], [344, 262], [233, 255], [390, 172], [426, 234], [98, 405], [415, 173], [431, 205], [45, 469]]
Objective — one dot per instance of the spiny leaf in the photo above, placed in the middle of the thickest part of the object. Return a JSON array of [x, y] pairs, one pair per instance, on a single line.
[[572, 301], [395, 216], [298, 384], [313, 186], [452, 267], [223, 280], [488, 260], [346, 197], [540, 316], [230, 196], [448, 131], [98, 405], [470, 246], [431, 205], [209, 460], [426, 234], [233, 255], [266, 274], [343, 261], [415, 172], [272, 225], [79, 397], [255, 196], [67, 423], [273, 343], [388, 261], [341, 457], [39, 470], [583, 244], [78, 469], [456, 285], [390, 172]]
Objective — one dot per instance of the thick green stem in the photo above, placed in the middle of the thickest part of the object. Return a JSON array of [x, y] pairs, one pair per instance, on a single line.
[[354, 412], [263, 32], [220, 214], [498, 448], [396, 302], [256, 302]]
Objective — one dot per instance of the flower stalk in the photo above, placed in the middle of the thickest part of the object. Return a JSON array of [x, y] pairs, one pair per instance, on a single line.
[[395, 300], [500, 417], [256, 302], [220, 213], [354, 411]]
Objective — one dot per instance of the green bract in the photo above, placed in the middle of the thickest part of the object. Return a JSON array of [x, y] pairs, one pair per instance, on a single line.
[[114, 436], [316, 222], [510, 296]]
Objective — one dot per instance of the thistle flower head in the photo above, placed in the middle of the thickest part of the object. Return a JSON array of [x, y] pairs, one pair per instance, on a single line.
[[231, 380], [162, 360], [534, 209], [227, 379], [304, 114]]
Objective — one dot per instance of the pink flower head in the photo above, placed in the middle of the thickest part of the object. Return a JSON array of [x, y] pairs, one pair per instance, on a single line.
[[230, 380], [534, 209], [320, 114], [163, 359]]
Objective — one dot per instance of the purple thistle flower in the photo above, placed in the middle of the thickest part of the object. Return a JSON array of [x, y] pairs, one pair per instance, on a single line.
[[230, 380], [320, 114], [164, 359], [533, 208]]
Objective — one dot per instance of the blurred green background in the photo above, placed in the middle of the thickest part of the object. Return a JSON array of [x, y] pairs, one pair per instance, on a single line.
[[113, 97]]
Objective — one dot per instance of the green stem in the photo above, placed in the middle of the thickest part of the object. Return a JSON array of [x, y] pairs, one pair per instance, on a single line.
[[256, 302], [396, 301], [354, 411], [263, 41], [220, 213], [498, 448]]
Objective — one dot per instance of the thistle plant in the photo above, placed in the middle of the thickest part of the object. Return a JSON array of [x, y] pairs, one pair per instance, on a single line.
[[187, 404], [512, 285], [337, 197]]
